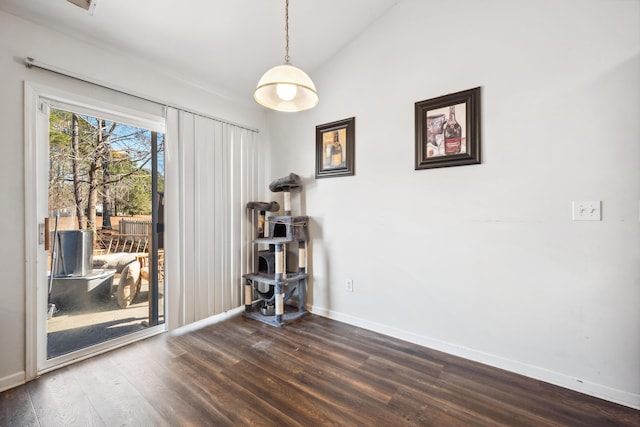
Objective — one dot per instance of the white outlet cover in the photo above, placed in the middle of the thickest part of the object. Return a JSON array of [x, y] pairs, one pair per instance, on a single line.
[[586, 211], [349, 286]]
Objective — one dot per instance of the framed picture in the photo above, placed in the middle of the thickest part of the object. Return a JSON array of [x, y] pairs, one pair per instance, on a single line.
[[335, 152], [448, 130]]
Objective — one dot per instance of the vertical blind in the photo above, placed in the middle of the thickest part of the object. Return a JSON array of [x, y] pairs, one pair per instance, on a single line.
[[212, 170]]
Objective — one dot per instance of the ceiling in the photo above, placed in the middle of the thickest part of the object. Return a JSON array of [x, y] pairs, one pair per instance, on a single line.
[[222, 45]]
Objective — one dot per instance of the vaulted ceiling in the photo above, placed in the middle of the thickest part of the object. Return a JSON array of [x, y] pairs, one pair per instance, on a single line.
[[224, 45]]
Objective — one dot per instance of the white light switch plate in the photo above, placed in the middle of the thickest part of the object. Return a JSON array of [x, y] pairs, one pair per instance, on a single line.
[[587, 211]]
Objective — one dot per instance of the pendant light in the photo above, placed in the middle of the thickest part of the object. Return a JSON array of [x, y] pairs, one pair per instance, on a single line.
[[285, 87]]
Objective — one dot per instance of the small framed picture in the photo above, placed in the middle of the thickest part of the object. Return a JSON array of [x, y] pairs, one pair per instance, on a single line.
[[448, 130], [335, 148]]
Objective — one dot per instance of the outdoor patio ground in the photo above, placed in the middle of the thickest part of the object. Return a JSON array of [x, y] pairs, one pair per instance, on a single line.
[[97, 320]]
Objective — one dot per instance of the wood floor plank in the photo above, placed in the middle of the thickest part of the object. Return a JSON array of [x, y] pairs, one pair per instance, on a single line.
[[518, 391], [278, 394], [350, 400], [211, 350], [173, 396], [241, 406], [16, 408], [425, 409], [114, 398], [312, 372], [58, 400], [335, 362], [589, 410]]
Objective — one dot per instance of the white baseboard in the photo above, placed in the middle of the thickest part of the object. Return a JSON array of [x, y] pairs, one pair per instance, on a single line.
[[586, 387], [12, 381]]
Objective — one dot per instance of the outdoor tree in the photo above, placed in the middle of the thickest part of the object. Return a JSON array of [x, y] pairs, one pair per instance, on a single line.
[[130, 193], [94, 159], [75, 165], [60, 193]]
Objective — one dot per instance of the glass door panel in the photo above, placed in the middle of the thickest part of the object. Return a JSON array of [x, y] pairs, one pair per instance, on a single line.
[[105, 246]]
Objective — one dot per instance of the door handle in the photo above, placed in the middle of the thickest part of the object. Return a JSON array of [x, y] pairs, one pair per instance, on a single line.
[[41, 233]]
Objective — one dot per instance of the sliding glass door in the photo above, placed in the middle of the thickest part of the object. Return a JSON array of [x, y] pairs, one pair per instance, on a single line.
[[100, 272]]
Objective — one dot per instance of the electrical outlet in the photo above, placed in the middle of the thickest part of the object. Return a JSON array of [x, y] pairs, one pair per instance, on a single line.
[[586, 211], [349, 286]]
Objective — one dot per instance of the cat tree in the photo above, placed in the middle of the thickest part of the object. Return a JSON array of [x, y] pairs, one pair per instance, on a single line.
[[281, 292]]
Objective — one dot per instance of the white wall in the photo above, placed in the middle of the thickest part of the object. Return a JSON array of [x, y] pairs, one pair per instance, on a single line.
[[19, 39], [484, 261]]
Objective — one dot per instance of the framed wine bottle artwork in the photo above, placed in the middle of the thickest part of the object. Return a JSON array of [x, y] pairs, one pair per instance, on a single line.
[[448, 130], [335, 148]]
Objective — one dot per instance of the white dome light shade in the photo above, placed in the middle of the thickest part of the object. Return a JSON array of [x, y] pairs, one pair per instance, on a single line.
[[286, 88]]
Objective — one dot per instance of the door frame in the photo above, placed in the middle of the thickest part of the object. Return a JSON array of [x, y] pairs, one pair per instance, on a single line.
[[36, 152]]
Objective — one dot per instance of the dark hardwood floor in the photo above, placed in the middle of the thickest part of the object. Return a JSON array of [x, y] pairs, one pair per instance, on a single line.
[[313, 372]]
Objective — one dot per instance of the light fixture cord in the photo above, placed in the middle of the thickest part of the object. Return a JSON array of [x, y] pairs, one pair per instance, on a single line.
[[286, 31]]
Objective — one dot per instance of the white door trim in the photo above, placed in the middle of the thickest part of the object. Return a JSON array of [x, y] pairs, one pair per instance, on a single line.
[[37, 98], [31, 99]]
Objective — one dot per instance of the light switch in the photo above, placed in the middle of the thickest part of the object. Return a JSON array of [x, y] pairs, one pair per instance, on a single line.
[[587, 211]]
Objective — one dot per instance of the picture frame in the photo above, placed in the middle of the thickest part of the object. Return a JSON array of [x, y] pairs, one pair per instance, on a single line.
[[335, 148], [441, 142]]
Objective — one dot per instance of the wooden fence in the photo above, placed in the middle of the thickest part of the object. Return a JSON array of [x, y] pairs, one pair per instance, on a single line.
[[133, 236], [135, 229]]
